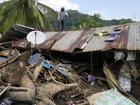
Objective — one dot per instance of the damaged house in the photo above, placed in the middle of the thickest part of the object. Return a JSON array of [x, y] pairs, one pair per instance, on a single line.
[[84, 67]]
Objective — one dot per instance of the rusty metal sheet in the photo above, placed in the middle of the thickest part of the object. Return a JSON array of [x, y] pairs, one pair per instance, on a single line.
[[121, 41], [85, 38], [134, 37], [21, 43], [68, 41], [51, 38], [97, 43]]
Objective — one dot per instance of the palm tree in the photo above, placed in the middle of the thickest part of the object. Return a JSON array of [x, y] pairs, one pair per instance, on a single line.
[[24, 12]]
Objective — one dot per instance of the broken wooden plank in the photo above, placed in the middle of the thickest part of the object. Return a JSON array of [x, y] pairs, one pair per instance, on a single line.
[[19, 93], [4, 90], [36, 72], [4, 53], [51, 89]]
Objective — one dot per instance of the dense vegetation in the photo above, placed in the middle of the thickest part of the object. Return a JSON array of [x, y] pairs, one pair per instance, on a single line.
[[39, 16], [25, 12], [77, 20]]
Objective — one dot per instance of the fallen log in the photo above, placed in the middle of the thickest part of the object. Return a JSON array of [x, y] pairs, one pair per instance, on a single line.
[[49, 90], [20, 94]]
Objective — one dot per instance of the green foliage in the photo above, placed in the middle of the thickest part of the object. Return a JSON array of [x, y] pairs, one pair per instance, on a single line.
[[123, 21], [50, 16], [117, 22], [77, 20], [42, 17], [23, 12]]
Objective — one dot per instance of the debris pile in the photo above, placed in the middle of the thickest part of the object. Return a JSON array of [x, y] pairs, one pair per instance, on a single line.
[[35, 80], [31, 76]]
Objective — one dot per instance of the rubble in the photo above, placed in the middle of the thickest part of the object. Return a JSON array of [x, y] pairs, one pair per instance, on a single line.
[[31, 76]]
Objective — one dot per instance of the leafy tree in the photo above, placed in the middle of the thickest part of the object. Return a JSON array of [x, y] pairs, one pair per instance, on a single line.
[[50, 16], [40, 16], [117, 21], [77, 20], [24, 12], [124, 21]]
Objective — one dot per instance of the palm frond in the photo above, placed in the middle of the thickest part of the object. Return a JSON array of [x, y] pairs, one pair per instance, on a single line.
[[23, 12]]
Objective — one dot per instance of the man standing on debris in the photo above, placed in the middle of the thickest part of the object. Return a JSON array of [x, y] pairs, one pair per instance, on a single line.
[[61, 18]]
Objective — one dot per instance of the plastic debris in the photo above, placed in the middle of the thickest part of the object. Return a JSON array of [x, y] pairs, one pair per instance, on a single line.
[[125, 83], [47, 64], [63, 71], [111, 37], [35, 59]]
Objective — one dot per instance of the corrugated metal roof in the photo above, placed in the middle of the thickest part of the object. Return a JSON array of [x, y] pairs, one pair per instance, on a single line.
[[66, 41], [87, 41], [134, 37], [98, 43]]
